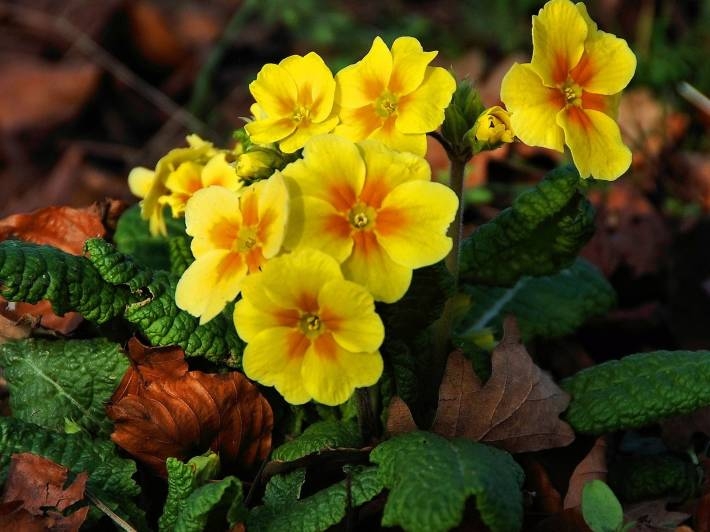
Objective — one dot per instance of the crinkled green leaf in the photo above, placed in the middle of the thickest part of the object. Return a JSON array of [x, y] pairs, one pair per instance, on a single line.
[[183, 479], [321, 510], [114, 267], [430, 479], [637, 390], [132, 237], [163, 323], [600, 508], [548, 306], [284, 490], [31, 272], [214, 506], [54, 381], [110, 476], [539, 234], [319, 436], [180, 254]]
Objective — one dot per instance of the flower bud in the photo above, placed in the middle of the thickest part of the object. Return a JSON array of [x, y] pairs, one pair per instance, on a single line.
[[257, 164], [492, 129], [460, 117]]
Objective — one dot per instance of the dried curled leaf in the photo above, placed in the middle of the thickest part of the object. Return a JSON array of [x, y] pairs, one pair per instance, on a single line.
[[38, 483], [517, 408], [162, 410], [592, 467]]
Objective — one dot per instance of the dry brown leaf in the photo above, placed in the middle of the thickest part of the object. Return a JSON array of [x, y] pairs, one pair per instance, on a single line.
[[592, 467], [546, 498], [12, 329], [652, 516], [38, 95], [399, 418], [39, 484], [152, 34], [517, 408], [630, 232], [702, 514], [569, 520], [161, 409]]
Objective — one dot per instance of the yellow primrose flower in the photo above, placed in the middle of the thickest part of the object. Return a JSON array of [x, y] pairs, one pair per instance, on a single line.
[[140, 179], [294, 101], [189, 177], [309, 332], [491, 129], [199, 152], [568, 93], [233, 235], [373, 209], [393, 96]]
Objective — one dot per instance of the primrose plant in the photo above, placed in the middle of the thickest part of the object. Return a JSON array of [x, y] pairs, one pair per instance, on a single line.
[[317, 279]]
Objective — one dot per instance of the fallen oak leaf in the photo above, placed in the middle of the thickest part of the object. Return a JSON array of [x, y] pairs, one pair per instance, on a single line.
[[592, 467], [39, 484], [399, 418], [161, 410], [518, 407], [652, 516]]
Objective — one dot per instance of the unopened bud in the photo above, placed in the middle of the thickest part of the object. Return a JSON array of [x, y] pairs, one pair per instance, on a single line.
[[257, 164], [492, 129]]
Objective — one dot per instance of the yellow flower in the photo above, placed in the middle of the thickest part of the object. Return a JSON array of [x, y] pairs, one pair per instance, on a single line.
[[568, 93], [309, 332], [373, 209], [491, 129], [233, 235], [189, 177], [393, 96], [140, 180], [294, 101], [199, 152]]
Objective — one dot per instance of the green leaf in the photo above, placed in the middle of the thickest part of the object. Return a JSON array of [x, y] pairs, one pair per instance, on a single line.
[[31, 272], [180, 254], [283, 490], [539, 234], [549, 306], [163, 323], [637, 390], [183, 479], [214, 506], [430, 478], [321, 510], [132, 237], [319, 436], [110, 476], [654, 476], [54, 381], [600, 508], [114, 267]]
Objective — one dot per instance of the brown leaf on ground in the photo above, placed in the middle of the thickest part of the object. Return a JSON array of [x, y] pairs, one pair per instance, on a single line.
[[702, 514], [652, 516], [13, 329], [64, 228], [517, 409], [592, 467], [36, 94], [152, 34], [692, 177], [546, 498], [630, 232], [399, 418], [161, 409], [39, 484], [569, 520]]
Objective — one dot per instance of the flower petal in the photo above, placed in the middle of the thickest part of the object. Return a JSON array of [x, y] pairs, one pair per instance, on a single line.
[[274, 358], [305, 131], [395, 139], [275, 91], [409, 63], [354, 325], [331, 169], [315, 223], [360, 84], [331, 374], [412, 223], [371, 266], [423, 110], [607, 65], [209, 283], [273, 213], [595, 142], [533, 107], [316, 86], [358, 123], [559, 32], [270, 130], [140, 180], [213, 218], [218, 171]]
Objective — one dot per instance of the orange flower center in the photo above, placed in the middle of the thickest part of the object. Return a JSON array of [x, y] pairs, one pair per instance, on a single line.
[[301, 114], [386, 104], [310, 324], [246, 239], [362, 216]]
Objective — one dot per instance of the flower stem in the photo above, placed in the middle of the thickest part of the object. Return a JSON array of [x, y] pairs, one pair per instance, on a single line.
[[367, 422], [456, 183]]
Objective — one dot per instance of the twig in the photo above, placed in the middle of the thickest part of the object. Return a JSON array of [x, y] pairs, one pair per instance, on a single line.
[[124, 525]]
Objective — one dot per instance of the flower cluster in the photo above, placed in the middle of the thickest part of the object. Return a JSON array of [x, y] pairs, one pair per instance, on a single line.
[[326, 205]]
